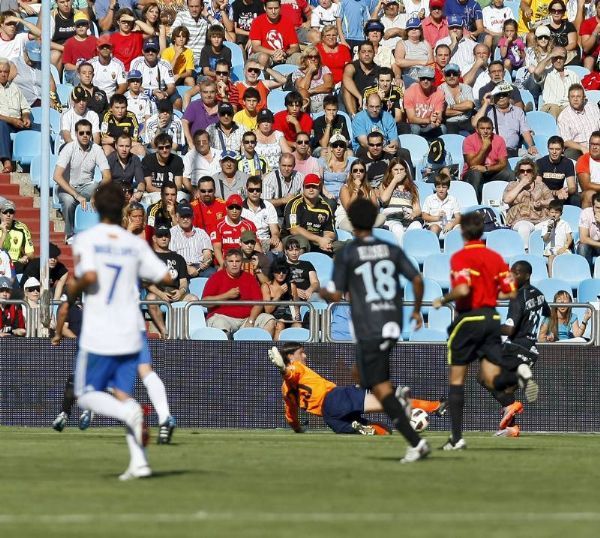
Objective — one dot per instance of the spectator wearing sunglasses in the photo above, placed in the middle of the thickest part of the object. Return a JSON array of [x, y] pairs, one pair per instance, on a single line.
[[305, 162], [251, 162], [252, 71], [15, 237], [12, 321], [80, 47], [459, 101], [227, 91], [12, 42], [226, 134], [164, 121], [264, 216], [31, 291], [57, 272], [79, 110], [230, 229], [328, 124], [160, 167]]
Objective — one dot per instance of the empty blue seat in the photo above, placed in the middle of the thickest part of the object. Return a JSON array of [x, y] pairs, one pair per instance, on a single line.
[[285, 69], [507, 243], [464, 192], [182, 90], [551, 286], [237, 57], [512, 162], [597, 268], [294, 334], [385, 235], [571, 268], [252, 334], [420, 244], [343, 235], [439, 318], [432, 291], [453, 242], [276, 100], [593, 96], [426, 334], [541, 143], [196, 318], [542, 123], [208, 333], [425, 189], [578, 70], [492, 193], [454, 145], [27, 146], [85, 219], [323, 265], [588, 290], [437, 267], [36, 117], [64, 94], [571, 214], [536, 243], [36, 171], [538, 265], [417, 145], [197, 286]]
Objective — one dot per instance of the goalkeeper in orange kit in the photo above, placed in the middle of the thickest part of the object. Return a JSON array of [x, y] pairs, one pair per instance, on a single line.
[[342, 408]]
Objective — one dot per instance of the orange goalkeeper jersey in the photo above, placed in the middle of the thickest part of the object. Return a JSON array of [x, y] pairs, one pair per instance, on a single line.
[[305, 388]]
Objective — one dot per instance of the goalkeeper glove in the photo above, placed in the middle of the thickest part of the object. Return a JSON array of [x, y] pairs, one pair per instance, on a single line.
[[276, 358]]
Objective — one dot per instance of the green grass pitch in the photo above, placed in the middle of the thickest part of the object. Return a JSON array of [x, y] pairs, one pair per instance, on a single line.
[[233, 483]]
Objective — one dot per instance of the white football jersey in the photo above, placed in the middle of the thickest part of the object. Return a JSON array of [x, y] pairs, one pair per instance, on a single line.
[[112, 320]]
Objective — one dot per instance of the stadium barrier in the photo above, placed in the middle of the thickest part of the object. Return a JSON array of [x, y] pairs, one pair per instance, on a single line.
[[233, 384]]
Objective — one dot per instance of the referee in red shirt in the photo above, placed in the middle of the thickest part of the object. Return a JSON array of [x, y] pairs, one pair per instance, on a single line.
[[479, 277]]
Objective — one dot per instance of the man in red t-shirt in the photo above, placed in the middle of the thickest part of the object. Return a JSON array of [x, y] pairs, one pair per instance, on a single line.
[[208, 210], [293, 121], [478, 277], [233, 284], [230, 229], [127, 43], [589, 32], [274, 37]]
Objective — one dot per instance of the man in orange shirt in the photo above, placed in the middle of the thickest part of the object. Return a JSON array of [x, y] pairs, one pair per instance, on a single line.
[[342, 408]]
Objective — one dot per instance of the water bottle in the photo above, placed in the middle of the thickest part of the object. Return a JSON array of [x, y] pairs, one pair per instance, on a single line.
[[443, 219]]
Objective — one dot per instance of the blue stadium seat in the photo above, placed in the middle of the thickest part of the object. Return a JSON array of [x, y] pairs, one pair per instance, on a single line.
[[27, 146], [571, 268], [385, 235], [294, 334], [208, 333], [542, 123], [437, 267], [64, 94], [85, 219], [182, 90], [439, 318], [36, 117], [551, 286], [285, 69], [538, 264], [417, 145], [432, 291], [588, 290], [196, 319], [515, 6], [507, 243], [577, 69], [492, 193], [454, 145], [512, 162], [503, 311], [593, 96], [536, 243], [464, 192], [323, 265], [541, 143], [420, 244], [197, 286], [36, 171], [571, 214], [425, 189], [426, 334], [527, 98], [343, 235], [276, 100], [252, 334], [237, 57], [453, 242], [341, 113], [597, 268]]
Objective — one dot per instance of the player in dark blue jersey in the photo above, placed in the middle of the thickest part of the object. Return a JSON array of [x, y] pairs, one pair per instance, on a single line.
[[369, 270]]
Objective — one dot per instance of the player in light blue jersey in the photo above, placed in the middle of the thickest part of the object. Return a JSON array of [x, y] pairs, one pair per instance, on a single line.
[[108, 263]]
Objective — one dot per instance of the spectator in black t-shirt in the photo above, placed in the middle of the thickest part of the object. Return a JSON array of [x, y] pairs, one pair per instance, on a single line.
[[161, 166], [330, 123], [244, 12], [214, 50], [558, 172], [178, 290], [58, 273], [376, 160], [163, 211], [302, 272]]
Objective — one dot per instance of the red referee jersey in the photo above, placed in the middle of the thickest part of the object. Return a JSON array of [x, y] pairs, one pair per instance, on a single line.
[[229, 234], [484, 271]]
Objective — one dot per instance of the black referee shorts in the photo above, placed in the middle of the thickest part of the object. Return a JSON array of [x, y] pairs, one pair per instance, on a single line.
[[373, 361], [475, 335]]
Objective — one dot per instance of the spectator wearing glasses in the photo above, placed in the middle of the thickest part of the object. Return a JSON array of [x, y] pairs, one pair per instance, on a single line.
[[494, 77], [310, 216], [247, 116], [305, 163], [12, 321], [178, 290], [312, 79], [57, 271], [74, 173], [356, 186], [31, 291], [125, 167], [282, 183], [227, 91], [208, 210], [117, 121], [180, 57], [335, 165], [250, 162], [252, 71], [128, 41], [563, 32], [226, 134], [15, 237], [202, 112], [109, 72], [78, 111], [459, 101], [201, 160], [160, 167], [292, 120], [254, 262], [264, 216], [230, 229], [80, 47], [192, 243], [424, 106], [230, 180], [281, 288], [164, 121], [376, 160], [12, 43], [577, 122]]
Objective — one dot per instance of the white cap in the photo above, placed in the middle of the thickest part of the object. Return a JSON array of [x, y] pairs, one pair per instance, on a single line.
[[502, 87], [31, 282]]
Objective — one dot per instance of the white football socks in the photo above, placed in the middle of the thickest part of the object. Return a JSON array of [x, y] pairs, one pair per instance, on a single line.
[[158, 396], [103, 404], [137, 453]]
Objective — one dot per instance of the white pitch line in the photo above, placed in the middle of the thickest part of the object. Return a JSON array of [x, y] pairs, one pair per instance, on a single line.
[[286, 517]]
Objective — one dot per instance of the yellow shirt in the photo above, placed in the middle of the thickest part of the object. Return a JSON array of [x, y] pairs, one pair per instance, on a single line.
[[245, 120], [540, 16], [185, 61]]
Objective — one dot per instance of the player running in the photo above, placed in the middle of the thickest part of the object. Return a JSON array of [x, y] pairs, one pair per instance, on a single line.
[[479, 276], [342, 408], [369, 269], [525, 313], [108, 263]]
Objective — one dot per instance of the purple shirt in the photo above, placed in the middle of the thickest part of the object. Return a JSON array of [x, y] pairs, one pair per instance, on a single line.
[[196, 114]]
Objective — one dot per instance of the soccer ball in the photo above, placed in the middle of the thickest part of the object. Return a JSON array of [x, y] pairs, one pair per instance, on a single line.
[[419, 420]]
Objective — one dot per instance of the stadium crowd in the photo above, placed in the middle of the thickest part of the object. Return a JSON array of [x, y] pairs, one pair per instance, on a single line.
[[242, 131]]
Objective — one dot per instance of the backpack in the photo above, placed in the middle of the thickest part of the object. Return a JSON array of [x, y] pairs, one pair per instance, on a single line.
[[490, 220]]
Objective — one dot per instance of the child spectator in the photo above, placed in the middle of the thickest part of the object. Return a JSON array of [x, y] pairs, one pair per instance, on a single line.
[[214, 50], [247, 116], [180, 57], [281, 288], [81, 47], [441, 211], [494, 17], [512, 48], [138, 100], [556, 233]]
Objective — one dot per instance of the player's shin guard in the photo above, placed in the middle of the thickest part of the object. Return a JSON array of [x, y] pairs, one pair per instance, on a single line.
[[158, 396], [68, 396], [456, 402], [394, 410]]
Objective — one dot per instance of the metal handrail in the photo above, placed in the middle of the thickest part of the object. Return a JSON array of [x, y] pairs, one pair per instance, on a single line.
[[28, 326], [312, 312], [171, 326]]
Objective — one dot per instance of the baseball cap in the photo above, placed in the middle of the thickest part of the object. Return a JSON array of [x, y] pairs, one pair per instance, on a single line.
[[31, 282], [374, 26], [162, 231], [54, 251], [184, 210], [311, 179], [455, 21], [436, 3], [104, 40], [5, 283], [503, 87], [247, 235], [426, 72], [151, 43], [413, 22], [229, 155], [542, 30], [7, 204], [34, 51], [133, 74], [80, 16], [225, 108], [454, 68], [265, 115], [234, 199], [79, 94], [338, 137]]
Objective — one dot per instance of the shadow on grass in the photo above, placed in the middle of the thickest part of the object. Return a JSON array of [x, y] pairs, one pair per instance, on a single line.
[[166, 474]]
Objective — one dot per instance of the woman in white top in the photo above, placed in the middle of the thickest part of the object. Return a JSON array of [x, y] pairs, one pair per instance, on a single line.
[[270, 144], [312, 79], [533, 56]]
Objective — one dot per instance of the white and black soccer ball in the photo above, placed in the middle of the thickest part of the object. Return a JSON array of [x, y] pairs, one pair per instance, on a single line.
[[419, 419]]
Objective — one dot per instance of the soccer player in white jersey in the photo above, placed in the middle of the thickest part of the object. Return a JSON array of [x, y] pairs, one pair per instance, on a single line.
[[108, 263]]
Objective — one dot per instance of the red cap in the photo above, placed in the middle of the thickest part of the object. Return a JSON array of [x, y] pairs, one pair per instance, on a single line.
[[103, 40], [436, 3], [234, 199], [311, 179]]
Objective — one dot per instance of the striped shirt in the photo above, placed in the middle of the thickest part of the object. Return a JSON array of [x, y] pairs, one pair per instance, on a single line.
[[579, 125], [197, 29], [190, 247], [174, 128], [556, 87]]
